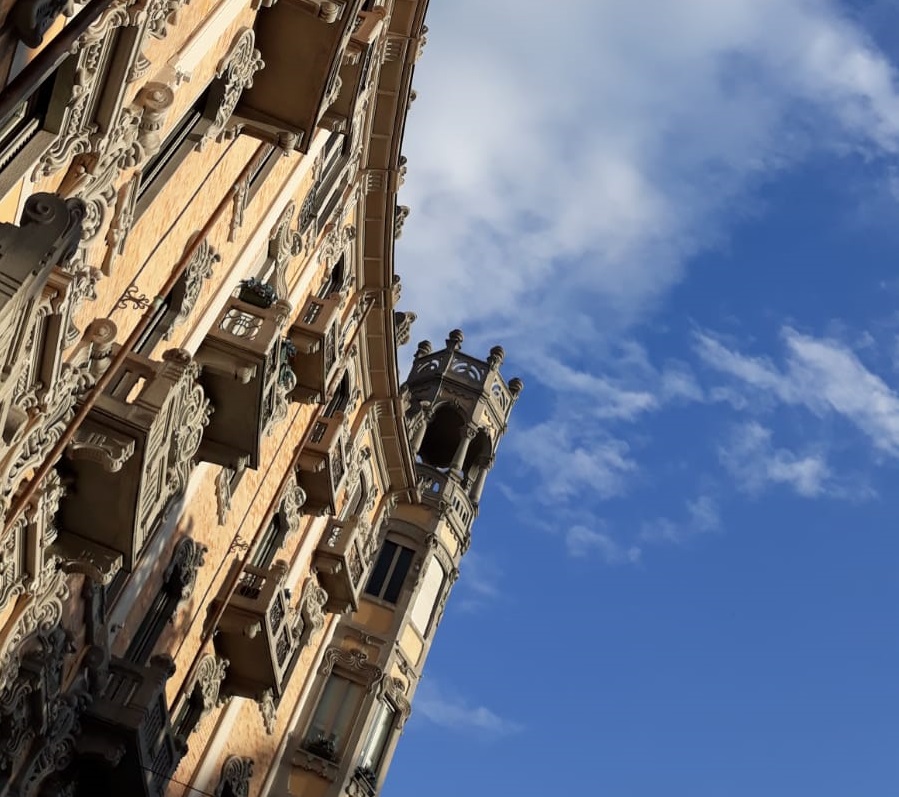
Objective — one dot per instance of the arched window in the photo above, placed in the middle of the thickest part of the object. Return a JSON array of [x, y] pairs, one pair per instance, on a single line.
[[442, 438], [478, 455]]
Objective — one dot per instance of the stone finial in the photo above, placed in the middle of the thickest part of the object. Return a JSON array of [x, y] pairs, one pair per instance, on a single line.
[[497, 355], [424, 349], [454, 340], [515, 386]]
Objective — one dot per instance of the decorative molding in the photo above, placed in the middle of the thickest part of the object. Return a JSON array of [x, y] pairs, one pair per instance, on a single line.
[[236, 775], [268, 708], [208, 681], [292, 508], [284, 244], [181, 574], [311, 610], [354, 662], [191, 413], [394, 690], [199, 269], [403, 324], [234, 74]]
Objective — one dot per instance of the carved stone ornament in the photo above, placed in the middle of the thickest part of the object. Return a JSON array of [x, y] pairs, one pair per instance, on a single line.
[[198, 270], [268, 708], [32, 441], [283, 245], [352, 661], [403, 323], [210, 674], [400, 215], [292, 508], [394, 690], [39, 720], [42, 612], [234, 75], [223, 494], [235, 778], [154, 18], [312, 610], [190, 415], [181, 574]]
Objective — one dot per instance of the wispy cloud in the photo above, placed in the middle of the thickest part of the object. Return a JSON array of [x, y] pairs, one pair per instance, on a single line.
[[821, 375], [455, 713], [582, 541], [754, 462], [701, 516]]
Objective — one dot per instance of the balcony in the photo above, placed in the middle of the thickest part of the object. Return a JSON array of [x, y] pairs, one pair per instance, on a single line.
[[296, 37], [340, 563], [316, 337], [127, 745], [355, 71], [257, 634], [246, 376], [440, 489], [132, 456], [322, 465]]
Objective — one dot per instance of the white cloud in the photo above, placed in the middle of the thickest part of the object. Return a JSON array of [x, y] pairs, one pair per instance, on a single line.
[[822, 375], [571, 457], [702, 517], [582, 542], [458, 714], [752, 460], [581, 164]]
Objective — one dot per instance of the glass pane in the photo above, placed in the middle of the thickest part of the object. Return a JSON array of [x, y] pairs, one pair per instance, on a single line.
[[398, 576]]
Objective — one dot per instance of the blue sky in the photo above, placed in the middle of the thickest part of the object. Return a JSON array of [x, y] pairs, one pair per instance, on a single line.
[[685, 577]]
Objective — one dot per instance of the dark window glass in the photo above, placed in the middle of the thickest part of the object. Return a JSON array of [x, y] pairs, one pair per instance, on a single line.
[[390, 572]]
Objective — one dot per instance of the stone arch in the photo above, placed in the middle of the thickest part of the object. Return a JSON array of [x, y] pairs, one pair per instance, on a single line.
[[445, 431]]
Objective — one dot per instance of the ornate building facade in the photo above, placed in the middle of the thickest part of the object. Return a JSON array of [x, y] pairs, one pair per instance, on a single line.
[[229, 529]]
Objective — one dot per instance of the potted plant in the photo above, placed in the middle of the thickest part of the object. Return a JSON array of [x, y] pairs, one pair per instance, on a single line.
[[322, 747], [258, 293]]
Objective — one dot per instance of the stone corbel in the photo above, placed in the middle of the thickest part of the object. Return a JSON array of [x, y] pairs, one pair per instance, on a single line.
[[108, 450]]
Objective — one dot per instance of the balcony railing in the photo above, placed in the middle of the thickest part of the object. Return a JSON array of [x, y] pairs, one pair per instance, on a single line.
[[340, 563], [439, 489], [316, 336], [127, 745], [257, 633], [137, 445], [246, 376], [322, 465]]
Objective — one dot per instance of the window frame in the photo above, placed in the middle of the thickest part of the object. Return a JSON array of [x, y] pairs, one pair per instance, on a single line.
[[402, 556]]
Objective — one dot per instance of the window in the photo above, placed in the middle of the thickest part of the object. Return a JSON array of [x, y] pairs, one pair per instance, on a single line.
[[333, 719], [270, 543], [335, 281], [340, 399], [172, 152], [390, 572], [426, 600], [376, 741], [177, 585]]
